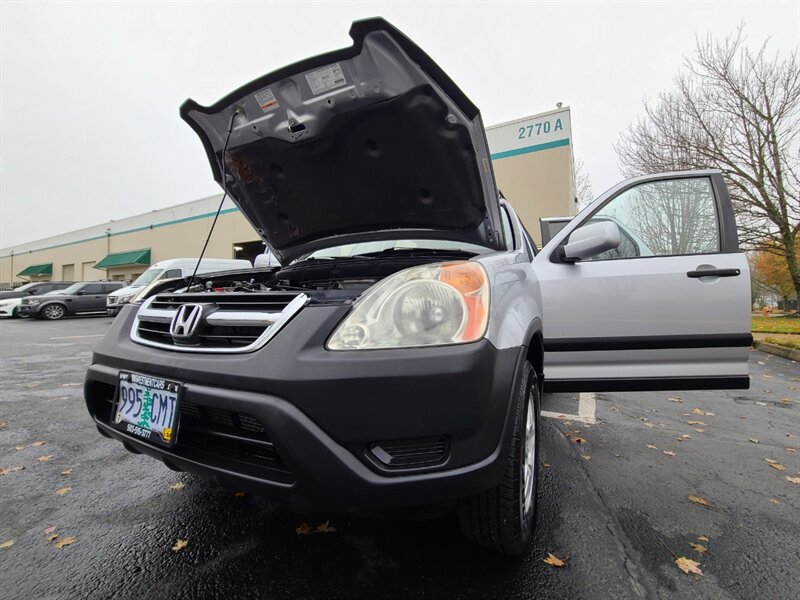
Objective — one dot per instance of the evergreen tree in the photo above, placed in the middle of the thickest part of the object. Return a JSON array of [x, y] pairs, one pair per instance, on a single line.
[[147, 407]]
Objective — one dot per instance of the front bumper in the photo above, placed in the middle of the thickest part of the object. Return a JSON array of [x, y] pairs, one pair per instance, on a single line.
[[323, 411], [29, 310]]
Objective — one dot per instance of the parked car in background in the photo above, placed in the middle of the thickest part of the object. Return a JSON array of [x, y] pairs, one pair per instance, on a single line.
[[169, 269], [35, 289], [10, 308], [88, 297]]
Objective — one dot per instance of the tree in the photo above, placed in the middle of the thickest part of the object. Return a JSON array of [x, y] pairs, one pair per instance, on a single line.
[[769, 269], [737, 110], [583, 185], [147, 407]]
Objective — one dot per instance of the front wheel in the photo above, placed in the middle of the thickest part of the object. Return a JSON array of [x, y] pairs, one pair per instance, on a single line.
[[15, 314], [503, 518], [53, 312]]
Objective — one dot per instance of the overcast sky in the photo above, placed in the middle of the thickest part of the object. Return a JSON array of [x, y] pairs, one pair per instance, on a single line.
[[89, 126]]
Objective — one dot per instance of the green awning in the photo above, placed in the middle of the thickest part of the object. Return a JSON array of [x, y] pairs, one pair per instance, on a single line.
[[123, 259], [36, 270]]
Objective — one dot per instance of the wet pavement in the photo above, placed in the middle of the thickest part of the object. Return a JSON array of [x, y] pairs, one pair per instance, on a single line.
[[615, 506]]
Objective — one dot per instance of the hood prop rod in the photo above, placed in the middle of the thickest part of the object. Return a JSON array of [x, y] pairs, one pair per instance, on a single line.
[[221, 202]]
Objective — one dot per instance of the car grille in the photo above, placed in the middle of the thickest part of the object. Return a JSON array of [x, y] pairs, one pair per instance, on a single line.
[[211, 436], [229, 322]]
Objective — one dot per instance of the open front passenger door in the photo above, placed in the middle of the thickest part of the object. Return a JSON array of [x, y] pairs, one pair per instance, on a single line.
[[646, 290]]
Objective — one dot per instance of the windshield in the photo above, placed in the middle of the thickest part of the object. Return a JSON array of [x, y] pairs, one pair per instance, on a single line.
[[147, 277], [363, 248], [73, 289], [23, 288]]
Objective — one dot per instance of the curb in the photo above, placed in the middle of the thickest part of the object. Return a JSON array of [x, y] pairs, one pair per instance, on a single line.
[[790, 353]]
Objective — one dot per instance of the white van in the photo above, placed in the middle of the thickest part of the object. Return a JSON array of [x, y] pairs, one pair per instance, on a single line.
[[167, 269]]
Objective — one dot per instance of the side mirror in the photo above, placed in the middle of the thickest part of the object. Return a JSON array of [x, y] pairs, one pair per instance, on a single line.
[[589, 240], [81, 293], [31, 292]]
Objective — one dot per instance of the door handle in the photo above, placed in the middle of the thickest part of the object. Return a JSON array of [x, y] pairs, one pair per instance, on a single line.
[[714, 273]]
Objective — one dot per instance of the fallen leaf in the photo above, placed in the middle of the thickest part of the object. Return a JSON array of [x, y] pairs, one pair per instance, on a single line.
[[761, 403], [7, 544], [697, 411], [238, 494], [774, 501], [761, 363], [180, 545], [644, 419], [304, 529], [546, 465], [685, 437], [63, 491], [710, 414], [66, 472], [650, 425], [49, 530], [698, 500], [177, 486], [698, 430], [19, 447], [793, 479], [777, 467], [703, 538], [579, 440], [668, 452], [652, 447], [52, 537], [754, 440], [770, 460], [45, 458], [786, 401], [553, 560], [700, 548], [678, 400], [326, 527], [792, 450], [791, 435], [65, 542], [586, 457], [688, 566], [38, 443], [696, 423], [7, 470]]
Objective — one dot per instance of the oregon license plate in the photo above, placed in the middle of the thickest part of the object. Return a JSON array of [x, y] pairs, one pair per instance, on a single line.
[[147, 407]]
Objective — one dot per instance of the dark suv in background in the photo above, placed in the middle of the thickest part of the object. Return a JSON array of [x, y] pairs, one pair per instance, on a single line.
[[78, 299], [35, 289]]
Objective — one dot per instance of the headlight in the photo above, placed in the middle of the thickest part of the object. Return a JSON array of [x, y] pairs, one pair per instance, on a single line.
[[430, 305], [31, 301], [123, 299], [4, 303]]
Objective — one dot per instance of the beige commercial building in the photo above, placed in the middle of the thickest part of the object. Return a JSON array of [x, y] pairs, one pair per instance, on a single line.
[[532, 160]]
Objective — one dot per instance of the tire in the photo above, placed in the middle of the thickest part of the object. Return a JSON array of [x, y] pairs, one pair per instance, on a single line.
[[503, 518], [53, 312]]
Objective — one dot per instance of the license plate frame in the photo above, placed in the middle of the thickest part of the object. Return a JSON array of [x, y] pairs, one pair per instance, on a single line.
[[157, 387]]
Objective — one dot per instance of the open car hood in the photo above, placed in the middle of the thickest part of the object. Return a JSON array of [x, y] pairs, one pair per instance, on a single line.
[[371, 142]]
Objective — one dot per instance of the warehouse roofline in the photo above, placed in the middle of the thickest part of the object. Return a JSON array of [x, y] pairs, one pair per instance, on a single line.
[[202, 208]]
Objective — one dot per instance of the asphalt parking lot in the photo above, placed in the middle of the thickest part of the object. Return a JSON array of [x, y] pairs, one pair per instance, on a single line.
[[616, 476]]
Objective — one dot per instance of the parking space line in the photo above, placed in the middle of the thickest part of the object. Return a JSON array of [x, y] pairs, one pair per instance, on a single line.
[[75, 337], [586, 410]]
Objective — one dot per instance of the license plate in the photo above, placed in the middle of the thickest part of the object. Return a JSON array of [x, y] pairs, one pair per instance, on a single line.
[[147, 407]]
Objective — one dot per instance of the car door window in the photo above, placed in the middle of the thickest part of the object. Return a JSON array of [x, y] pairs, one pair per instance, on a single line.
[[171, 273], [92, 288], [672, 217]]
